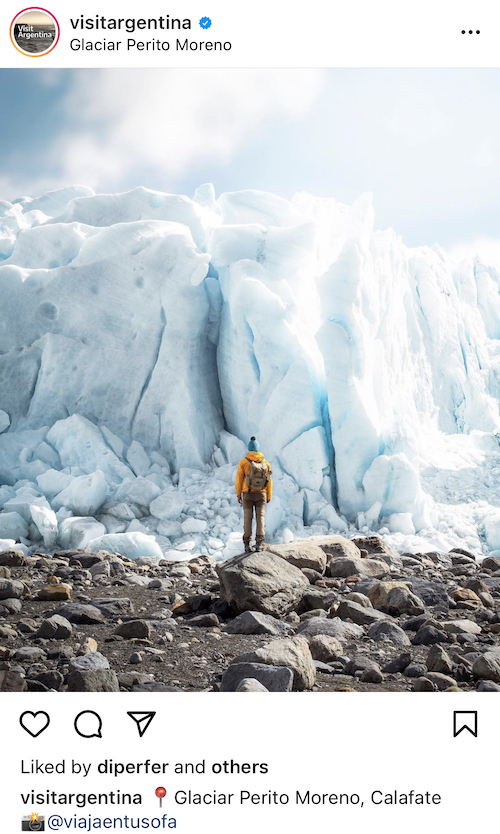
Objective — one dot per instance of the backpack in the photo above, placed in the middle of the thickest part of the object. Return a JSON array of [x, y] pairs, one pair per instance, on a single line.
[[257, 478]]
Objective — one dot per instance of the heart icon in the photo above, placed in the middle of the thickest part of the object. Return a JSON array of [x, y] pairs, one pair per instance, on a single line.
[[34, 722]]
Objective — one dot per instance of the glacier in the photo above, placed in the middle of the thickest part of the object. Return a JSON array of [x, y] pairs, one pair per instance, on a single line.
[[144, 337]]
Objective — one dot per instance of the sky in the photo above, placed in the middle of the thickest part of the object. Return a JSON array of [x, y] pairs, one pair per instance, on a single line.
[[426, 143]]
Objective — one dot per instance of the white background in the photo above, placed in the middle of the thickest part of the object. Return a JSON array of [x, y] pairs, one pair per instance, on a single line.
[[357, 33], [337, 742]]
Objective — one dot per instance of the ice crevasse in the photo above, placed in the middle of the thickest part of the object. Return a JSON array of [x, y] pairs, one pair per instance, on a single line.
[[144, 337]]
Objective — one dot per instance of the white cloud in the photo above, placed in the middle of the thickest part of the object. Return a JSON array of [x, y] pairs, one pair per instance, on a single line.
[[485, 249], [119, 120]]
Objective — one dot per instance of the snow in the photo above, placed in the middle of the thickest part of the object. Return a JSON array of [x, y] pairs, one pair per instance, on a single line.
[[144, 337]]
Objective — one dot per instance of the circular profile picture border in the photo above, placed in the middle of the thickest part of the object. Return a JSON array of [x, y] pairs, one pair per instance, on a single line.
[[35, 9]]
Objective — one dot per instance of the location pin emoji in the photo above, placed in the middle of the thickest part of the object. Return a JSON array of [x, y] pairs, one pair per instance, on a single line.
[[160, 793]]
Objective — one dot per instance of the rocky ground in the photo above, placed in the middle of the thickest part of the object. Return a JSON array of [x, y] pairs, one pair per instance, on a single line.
[[320, 614]]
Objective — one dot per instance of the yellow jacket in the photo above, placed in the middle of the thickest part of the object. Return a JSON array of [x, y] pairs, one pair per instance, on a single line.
[[243, 470]]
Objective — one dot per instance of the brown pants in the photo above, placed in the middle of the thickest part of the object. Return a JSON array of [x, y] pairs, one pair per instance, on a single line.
[[250, 501]]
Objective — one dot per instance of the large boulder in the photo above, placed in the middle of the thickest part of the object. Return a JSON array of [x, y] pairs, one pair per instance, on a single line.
[[302, 554], [261, 582], [346, 566], [254, 622], [11, 589], [335, 546], [292, 652], [334, 627], [274, 678], [349, 610], [389, 631], [487, 666], [395, 598]]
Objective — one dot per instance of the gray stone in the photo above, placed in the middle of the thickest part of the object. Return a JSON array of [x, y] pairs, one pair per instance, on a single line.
[[274, 678], [101, 680], [261, 582], [343, 567], [12, 559], [324, 648], [52, 679], [438, 660], [204, 621], [361, 599], [441, 682], [334, 627], [423, 685], [359, 614], [81, 614], [427, 635], [30, 653], [302, 554], [317, 598], [114, 606], [135, 658], [55, 628], [335, 546], [11, 589], [491, 563], [292, 652], [461, 627], [254, 622], [251, 685], [487, 666], [415, 670], [431, 593], [11, 681], [488, 686], [134, 629], [398, 664], [389, 631], [372, 674], [12, 606], [90, 662]]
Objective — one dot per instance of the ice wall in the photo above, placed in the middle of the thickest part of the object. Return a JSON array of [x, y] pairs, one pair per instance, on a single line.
[[146, 336]]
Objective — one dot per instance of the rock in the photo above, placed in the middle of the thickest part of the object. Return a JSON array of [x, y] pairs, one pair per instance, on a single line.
[[87, 645], [135, 658], [324, 648], [261, 581], [274, 678], [81, 614], [487, 666], [292, 652], [423, 685], [374, 544], [431, 593], [55, 593], [427, 635], [254, 622], [90, 662], [302, 554], [52, 679], [55, 628], [335, 546], [204, 621], [461, 627], [398, 664], [416, 670], [344, 567], [334, 627], [4, 572], [251, 685], [101, 680], [348, 610], [440, 681], [12, 559], [372, 674], [114, 606], [30, 654], [13, 681], [463, 594], [317, 598], [491, 563], [361, 599], [438, 660], [388, 631], [488, 686], [11, 589], [395, 598], [134, 630], [11, 606]]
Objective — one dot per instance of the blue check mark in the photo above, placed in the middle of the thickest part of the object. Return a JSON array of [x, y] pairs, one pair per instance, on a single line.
[[205, 23]]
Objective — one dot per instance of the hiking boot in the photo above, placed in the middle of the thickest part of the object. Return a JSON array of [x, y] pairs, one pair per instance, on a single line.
[[248, 549], [259, 546]]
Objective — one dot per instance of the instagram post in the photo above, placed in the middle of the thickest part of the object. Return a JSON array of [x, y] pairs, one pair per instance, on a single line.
[[249, 440], [249, 417]]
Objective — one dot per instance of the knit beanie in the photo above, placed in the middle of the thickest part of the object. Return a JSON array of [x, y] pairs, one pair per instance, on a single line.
[[253, 446]]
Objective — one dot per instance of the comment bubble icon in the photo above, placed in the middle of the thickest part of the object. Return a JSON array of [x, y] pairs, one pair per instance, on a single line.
[[88, 724]]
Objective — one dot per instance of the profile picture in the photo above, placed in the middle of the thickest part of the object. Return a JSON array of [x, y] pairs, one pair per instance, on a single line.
[[34, 32]]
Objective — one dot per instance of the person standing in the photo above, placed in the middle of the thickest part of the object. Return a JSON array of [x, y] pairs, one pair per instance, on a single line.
[[254, 488]]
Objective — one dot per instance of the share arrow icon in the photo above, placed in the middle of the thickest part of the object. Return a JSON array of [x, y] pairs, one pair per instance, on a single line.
[[143, 720]]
